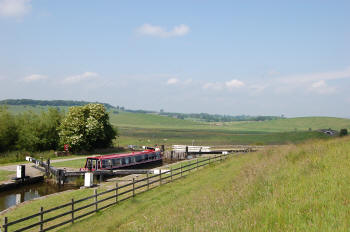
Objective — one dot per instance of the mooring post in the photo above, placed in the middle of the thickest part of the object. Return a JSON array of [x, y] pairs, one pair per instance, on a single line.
[[197, 164], [48, 167], [96, 206], [41, 218], [116, 192], [133, 187], [5, 224], [147, 180], [72, 210]]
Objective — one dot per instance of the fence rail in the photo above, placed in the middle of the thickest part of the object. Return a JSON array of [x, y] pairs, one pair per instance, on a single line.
[[52, 218]]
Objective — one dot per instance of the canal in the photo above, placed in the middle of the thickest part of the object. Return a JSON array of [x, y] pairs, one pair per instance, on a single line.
[[28, 192]]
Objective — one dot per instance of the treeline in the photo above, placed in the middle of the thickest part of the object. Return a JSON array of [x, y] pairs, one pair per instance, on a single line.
[[220, 118], [31, 102], [29, 131], [83, 128]]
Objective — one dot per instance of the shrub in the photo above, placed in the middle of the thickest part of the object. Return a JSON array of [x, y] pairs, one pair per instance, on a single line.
[[343, 132]]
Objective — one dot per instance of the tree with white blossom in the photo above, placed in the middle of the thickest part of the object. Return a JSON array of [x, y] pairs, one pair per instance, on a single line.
[[86, 128]]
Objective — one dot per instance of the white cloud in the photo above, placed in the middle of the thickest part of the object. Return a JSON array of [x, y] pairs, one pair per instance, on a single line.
[[213, 85], [222, 85], [172, 81], [234, 84], [81, 77], [34, 77], [15, 8], [158, 31], [321, 87], [303, 78]]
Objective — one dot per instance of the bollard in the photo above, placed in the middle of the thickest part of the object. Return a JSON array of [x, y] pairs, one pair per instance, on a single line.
[[88, 179], [21, 171]]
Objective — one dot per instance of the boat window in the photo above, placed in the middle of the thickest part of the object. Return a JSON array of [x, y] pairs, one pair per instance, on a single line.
[[105, 163], [88, 164], [138, 158], [151, 156], [127, 160], [132, 159]]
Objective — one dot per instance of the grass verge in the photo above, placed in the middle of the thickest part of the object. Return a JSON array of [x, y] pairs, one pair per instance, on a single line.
[[298, 188]]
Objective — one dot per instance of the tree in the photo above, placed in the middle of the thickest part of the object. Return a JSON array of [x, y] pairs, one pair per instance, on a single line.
[[38, 132], [86, 127], [8, 130]]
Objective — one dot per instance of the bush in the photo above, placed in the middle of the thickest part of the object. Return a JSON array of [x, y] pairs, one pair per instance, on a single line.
[[343, 132]]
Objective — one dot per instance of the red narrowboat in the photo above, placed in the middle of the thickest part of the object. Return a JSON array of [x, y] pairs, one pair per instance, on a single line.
[[117, 161]]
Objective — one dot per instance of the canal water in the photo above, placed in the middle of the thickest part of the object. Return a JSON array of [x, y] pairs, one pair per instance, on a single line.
[[29, 192]]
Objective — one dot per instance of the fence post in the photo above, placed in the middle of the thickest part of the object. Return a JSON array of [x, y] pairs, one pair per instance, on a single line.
[[133, 187], [197, 165], [171, 173], [5, 224], [181, 169], [72, 210], [209, 159], [116, 192], [41, 218], [160, 176], [96, 206], [147, 181]]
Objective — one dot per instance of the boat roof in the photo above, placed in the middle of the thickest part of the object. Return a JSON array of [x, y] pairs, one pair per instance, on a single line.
[[112, 156]]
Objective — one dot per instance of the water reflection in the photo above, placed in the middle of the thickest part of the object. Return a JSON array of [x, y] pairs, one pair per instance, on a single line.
[[25, 193]]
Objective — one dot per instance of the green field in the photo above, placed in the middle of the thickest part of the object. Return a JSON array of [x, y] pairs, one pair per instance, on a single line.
[[147, 129], [294, 188], [151, 129], [280, 125]]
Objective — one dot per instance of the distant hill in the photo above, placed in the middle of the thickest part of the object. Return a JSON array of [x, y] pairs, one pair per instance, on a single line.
[[200, 117], [31, 102]]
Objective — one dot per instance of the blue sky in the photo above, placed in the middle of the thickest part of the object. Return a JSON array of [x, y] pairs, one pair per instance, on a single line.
[[226, 57]]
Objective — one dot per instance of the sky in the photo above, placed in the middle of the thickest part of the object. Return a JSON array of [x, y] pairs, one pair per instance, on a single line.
[[225, 57]]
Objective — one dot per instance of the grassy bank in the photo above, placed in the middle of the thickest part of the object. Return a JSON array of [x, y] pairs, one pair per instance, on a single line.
[[5, 175], [297, 188]]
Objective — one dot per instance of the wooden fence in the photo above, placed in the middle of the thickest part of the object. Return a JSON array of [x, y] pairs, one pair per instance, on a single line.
[[74, 210]]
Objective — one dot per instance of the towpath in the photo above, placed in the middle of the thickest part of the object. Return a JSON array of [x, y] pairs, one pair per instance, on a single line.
[[30, 170]]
